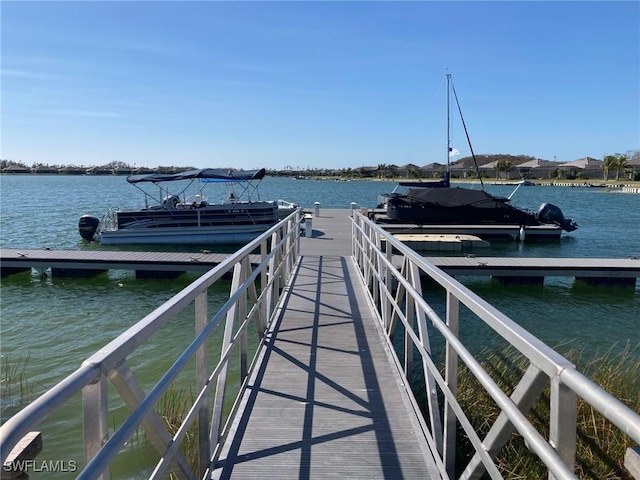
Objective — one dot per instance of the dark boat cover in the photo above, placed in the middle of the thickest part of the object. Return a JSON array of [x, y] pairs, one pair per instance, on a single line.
[[447, 206], [212, 174], [456, 197]]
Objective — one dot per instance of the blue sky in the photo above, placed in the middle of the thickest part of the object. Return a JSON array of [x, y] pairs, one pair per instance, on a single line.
[[315, 84]]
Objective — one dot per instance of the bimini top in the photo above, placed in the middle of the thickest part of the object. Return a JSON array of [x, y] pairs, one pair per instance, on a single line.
[[206, 174]]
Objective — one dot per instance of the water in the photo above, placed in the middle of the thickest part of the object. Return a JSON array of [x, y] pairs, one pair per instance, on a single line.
[[60, 322]]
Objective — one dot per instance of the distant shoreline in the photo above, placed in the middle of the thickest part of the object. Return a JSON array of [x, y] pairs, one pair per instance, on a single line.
[[588, 183]]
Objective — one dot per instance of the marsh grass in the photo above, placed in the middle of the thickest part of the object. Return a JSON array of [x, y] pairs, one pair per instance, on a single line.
[[600, 445], [173, 408], [16, 389]]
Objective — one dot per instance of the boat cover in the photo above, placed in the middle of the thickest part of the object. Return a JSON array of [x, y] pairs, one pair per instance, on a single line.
[[455, 197], [206, 174]]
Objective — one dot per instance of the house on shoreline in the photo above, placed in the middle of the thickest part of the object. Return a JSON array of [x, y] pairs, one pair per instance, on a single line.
[[502, 167]]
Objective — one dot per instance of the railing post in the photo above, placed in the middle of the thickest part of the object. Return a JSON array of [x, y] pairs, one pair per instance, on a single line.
[[204, 446], [287, 250], [357, 241], [292, 246], [366, 256], [273, 278], [277, 278], [435, 420], [265, 306], [378, 297], [298, 224], [410, 313], [221, 384], [94, 410], [388, 280], [242, 315], [451, 378], [563, 404], [355, 238]]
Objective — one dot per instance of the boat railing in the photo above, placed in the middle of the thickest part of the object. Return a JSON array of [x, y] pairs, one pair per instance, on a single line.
[[393, 274], [254, 300], [109, 221]]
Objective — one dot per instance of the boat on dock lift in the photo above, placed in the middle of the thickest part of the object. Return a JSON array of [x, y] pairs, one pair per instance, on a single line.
[[179, 211], [438, 203]]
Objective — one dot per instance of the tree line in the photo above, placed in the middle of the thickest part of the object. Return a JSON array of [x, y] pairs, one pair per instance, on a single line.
[[612, 163]]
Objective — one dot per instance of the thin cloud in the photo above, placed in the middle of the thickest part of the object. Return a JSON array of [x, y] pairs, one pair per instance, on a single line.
[[31, 75], [80, 113]]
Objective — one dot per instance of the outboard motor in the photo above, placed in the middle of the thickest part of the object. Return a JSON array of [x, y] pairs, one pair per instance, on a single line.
[[88, 226], [548, 213]]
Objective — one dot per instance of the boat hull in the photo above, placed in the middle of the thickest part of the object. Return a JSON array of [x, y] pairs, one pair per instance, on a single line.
[[184, 236], [213, 224]]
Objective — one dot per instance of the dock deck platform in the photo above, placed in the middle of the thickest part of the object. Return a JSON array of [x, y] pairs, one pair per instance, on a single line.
[[327, 401]]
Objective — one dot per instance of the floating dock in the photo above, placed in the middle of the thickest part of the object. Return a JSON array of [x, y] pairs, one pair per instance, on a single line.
[[86, 264], [90, 263], [450, 243]]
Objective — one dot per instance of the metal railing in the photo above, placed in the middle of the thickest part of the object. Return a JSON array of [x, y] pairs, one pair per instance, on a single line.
[[254, 297], [396, 293]]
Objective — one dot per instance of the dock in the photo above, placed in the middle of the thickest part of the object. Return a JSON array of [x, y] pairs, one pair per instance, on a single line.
[[444, 242], [90, 263], [330, 239], [327, 401], [326, 392]]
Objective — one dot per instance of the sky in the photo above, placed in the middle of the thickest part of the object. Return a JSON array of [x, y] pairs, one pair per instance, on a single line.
[[322, 84]]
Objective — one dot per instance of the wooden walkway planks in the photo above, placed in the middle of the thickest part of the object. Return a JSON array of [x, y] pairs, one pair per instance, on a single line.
[[327, 400]]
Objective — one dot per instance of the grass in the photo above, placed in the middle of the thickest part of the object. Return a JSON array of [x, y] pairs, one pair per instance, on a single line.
[[600, 445], [16, 389], [172, 408]]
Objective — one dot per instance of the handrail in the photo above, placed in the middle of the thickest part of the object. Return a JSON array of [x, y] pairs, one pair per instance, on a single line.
[[378, 254], [279, 250]]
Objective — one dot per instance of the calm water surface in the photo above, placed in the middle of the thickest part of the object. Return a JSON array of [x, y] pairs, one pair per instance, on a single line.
[[60, 322]]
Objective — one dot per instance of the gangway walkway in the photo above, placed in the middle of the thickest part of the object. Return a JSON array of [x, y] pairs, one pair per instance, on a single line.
[[342, 323], [327, 401]]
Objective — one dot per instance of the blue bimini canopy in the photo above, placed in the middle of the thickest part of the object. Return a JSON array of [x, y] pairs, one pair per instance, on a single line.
[[213, 174]]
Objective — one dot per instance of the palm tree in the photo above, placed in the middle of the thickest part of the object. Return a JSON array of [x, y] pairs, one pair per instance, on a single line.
[[616, 162], [621, 164], [503, 166]]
